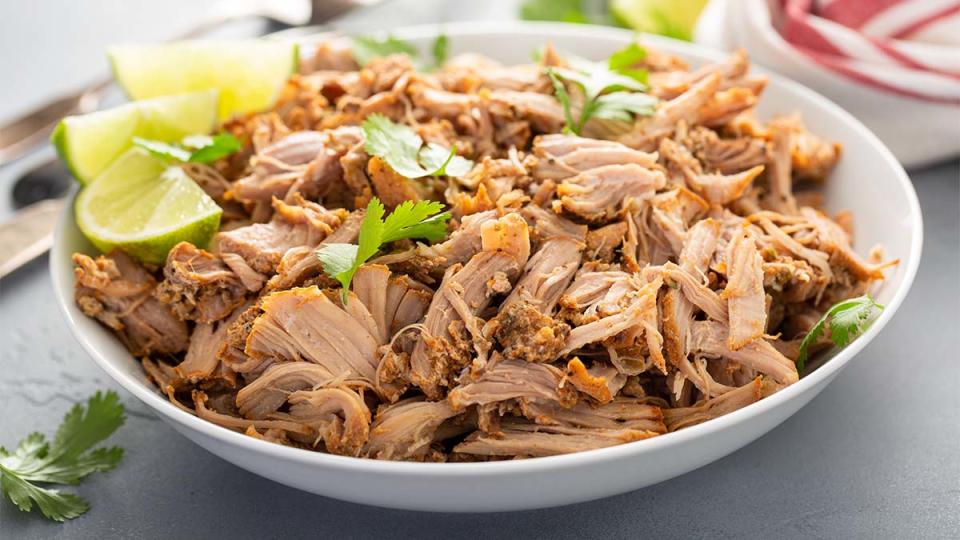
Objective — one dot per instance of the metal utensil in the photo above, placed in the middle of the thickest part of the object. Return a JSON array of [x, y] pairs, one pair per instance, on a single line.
[[38, 192], [21, 135]]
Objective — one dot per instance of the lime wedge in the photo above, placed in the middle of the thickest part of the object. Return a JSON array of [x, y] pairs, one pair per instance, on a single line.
[[672, 18], [143, 206], [249, 74], [88, 143]]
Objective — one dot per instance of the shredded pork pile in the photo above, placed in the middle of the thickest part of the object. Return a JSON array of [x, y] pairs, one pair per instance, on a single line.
[[592, 290]]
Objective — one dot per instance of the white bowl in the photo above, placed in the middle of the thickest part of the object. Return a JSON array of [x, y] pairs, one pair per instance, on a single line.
[[869, 181]]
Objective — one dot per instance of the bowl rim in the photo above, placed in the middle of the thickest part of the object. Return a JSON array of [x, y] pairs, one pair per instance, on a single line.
[[159, 404]]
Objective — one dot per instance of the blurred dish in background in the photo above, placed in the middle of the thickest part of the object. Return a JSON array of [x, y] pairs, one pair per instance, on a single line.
[[893, 64]]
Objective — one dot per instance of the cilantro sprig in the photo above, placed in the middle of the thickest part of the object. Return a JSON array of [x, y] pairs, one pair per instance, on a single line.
[[193, 149], [421, 219], [847, 320], [404, 151], [612, 90], [366, 48], [66, 460]]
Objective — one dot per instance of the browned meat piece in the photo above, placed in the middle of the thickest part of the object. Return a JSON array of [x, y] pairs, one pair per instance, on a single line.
[[835, 241], [406, 429], [779, 196], [269, 392], [717, 189], [458, 248], [622, 413], [334, 53], [390, 186], [543, 111], [202, 361], [117, 291], [597, 294], [304, 325], [709, 409], [667, 84], [559, 159], [638, 317], [726, 156], [355, 179], [235, 423], [440, 103], [599, 193], [601, 382], [648, 131], [746, 300], [533, 440], [709, 339], [526, 333], [602, 242], [464, 292], [198, 286], [305, 162], [725, 105], [338, 415], [301, 263], [504, 380], [489, 74], [724, 189], [394, 303], [812, 158], [262, 245]]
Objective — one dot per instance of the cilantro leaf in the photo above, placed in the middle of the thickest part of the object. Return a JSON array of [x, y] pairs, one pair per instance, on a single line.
[[440, 50], [338, 262], [563, 97], [626, 58], [608, 88], [205, 149], [160, 149], [403, 150], [66, 460], [366, 48], [847, 319], [416, 220], [220, 145], [421, 219], [54, 504], [623, 105], [444, 162]]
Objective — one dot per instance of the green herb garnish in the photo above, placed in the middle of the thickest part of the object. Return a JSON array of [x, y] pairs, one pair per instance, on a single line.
[[611, 90], [65, 461], [193, 149], [847, 320], [366, 48], [440, 50], [421, 219], [401, 148]]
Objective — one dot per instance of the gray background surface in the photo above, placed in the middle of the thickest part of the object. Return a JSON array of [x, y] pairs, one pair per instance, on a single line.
[[876, 455]]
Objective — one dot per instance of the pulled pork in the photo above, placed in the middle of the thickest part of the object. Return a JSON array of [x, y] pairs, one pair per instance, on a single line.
[[591, 291]]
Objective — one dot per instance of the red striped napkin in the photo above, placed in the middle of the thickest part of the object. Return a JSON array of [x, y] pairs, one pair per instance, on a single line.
[[905, 47]]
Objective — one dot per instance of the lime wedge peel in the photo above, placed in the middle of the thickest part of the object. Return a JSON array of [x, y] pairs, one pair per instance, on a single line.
[[249, 74], [672, 18], [143, 206], [88, 143]]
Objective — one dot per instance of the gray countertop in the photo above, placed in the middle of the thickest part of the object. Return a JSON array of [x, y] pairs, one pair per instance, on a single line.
[[877, 454]]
